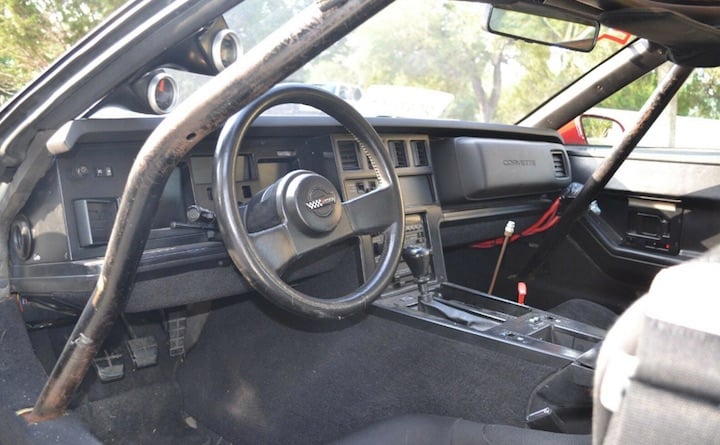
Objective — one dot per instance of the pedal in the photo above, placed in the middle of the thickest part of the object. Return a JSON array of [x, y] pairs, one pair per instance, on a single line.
[[109, 367], [176, 324], [143, 351]]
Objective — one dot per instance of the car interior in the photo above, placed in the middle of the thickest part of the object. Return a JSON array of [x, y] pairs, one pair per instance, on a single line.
[[207, 272]]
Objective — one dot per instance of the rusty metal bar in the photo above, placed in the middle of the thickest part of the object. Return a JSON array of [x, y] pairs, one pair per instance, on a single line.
[[652, 109], [272, 60]]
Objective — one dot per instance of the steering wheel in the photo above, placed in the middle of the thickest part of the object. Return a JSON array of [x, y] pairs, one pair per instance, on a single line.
[[302, 212]]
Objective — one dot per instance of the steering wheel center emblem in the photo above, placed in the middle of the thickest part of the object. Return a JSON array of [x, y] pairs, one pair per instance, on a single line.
[[321, 202], [313, 203]]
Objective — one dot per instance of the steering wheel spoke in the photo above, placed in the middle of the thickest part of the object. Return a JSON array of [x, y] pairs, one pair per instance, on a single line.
[[371, 212], [280, 245], [275, 246]]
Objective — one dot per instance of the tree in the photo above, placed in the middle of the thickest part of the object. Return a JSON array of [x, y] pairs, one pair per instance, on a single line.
[[440, 45], [699, 96], [436, 45], [254, 20], [36, 32]]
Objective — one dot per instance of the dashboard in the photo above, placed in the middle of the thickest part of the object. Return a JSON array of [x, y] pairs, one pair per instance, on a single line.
[[445, 169]]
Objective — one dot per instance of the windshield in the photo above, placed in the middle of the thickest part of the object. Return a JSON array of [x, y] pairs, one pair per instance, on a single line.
[[429, 59], [34, 33]]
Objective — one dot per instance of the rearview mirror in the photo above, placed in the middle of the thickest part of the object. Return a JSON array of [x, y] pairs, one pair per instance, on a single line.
[[566, 32]]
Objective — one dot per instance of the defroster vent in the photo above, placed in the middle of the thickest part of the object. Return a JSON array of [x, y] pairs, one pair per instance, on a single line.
[[559, 164]]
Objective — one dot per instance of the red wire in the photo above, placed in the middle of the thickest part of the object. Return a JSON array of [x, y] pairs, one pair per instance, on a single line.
[[546, 222]]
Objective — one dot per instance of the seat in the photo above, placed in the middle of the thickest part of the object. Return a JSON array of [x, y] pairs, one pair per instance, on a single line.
[[657, 379], [587, 312]]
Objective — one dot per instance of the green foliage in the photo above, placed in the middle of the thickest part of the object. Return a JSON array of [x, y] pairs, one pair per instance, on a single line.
[[633, 96], [439, 45], [436, 45], [35, 32], [699, 96]]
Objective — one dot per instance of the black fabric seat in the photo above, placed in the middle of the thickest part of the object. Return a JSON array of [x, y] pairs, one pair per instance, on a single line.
[[419, 429], [587, 312]]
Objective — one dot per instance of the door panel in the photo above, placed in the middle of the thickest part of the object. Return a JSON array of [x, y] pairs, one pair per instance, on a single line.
[[658, 210]]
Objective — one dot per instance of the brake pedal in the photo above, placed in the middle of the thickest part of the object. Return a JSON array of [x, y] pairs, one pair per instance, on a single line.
[[143, 351]]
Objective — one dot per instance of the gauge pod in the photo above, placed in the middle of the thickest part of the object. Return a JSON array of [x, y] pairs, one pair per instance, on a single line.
[[162, 93], [225, 49]]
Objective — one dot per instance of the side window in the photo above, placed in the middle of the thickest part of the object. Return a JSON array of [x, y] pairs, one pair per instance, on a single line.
[[688, 121]]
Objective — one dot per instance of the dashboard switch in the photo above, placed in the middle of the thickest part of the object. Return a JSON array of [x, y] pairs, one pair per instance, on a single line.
[[104, 172]]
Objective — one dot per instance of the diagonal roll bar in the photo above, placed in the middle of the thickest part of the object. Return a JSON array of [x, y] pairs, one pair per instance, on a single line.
[[272, 60], [649, 113]]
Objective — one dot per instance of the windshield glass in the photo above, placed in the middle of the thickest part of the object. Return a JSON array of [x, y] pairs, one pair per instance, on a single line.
[[429, 59], [34, 33]]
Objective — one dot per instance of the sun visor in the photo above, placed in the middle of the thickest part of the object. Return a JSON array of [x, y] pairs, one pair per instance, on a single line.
[[690, 42]]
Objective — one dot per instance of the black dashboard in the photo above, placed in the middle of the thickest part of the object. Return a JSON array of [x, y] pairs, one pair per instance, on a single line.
[[58, 241]]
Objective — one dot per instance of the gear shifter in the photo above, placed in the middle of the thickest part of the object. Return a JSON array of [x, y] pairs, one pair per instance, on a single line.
[[418, 259]]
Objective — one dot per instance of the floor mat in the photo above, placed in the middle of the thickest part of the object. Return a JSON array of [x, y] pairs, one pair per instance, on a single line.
[[259, 377]]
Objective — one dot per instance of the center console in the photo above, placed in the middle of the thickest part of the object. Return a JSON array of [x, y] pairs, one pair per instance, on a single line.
[[562, 402], [469, 173], [501, 324], [422, 296]]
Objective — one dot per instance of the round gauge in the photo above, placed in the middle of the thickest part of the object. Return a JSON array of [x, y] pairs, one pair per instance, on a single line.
[[226, 49], [162, 93]]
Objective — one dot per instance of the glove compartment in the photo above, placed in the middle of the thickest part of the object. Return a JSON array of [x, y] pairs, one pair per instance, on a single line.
[[472, 169]]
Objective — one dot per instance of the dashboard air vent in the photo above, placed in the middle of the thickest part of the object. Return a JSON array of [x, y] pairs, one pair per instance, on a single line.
[[421, 156], [559, 164], [397, 148], [348, 155]]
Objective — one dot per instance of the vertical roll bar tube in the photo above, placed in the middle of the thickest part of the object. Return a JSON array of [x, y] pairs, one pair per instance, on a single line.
[[272, 60]]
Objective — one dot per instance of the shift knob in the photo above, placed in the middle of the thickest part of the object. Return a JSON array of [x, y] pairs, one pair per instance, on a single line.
[[418, 260]]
